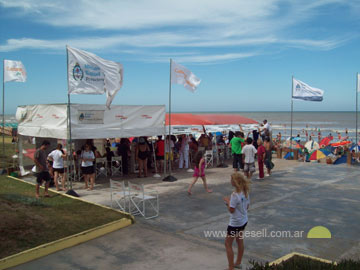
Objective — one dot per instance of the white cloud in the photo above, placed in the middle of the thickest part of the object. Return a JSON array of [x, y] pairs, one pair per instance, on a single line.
[[184, 25]]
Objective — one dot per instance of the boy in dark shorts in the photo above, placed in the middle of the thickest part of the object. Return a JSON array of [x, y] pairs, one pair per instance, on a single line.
[[42, 171]]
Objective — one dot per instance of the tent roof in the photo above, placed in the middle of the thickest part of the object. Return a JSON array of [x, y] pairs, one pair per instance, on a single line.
[[207, 119], [186, 119]]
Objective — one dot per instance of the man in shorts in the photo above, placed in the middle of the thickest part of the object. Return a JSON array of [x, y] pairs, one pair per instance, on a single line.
[[42, 171], [249, 152], [235, 145]]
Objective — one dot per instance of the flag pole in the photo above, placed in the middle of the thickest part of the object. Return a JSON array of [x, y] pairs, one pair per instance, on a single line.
[[3, 118], [356, 130], [292, 105], [70, 152], [170, 178]]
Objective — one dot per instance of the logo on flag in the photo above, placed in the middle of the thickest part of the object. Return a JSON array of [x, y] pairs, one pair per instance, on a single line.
[[14, 71], [92, 75], [181, 75], [78, 74], [303, 91]]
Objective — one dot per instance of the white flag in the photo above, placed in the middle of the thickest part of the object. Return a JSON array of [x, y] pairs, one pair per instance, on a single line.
[[91, 74], [14, 71], [305, 92], [181, 75], [358, 82]]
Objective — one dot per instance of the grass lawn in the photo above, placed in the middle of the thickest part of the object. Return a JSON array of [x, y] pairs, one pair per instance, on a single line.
[[26, 222], [12, 149]]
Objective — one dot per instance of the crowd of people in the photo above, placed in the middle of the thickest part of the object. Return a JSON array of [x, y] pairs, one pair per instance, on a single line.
[[188, 151]]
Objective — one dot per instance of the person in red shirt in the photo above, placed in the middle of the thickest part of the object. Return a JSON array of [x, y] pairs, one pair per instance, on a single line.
[[160, 151], [261, 157]]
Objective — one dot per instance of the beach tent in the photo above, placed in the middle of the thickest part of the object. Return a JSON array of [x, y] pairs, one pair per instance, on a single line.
[[186, 123], [89, 121], [356, 148]]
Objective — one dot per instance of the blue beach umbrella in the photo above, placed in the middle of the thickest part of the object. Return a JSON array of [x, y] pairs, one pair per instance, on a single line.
[[340, 160]]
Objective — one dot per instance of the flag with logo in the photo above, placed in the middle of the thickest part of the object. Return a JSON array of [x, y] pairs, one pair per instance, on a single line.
[[305, 92], [93, 75], [181, 75], [14, 71]]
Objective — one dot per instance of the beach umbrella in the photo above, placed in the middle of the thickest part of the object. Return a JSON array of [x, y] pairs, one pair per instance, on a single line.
[[311, 146], [341, 143], [326, 141], [340, 160], [356, 148], [318, 154]]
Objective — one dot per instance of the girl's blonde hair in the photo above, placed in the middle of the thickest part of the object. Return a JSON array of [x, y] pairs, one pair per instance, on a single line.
[[241, 183]]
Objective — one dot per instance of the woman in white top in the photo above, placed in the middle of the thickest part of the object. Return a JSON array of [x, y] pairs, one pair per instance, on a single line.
[[237, 204], [87, 166], [58, 156]]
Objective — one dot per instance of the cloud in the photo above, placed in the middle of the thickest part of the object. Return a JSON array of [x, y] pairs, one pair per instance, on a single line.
[[161, 24]]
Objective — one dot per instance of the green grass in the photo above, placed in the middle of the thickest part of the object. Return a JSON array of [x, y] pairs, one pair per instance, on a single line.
[[12, 149], [27, 222]]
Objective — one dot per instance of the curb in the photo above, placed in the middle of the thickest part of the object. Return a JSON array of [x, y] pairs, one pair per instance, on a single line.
[[69, 241], [292, 254]]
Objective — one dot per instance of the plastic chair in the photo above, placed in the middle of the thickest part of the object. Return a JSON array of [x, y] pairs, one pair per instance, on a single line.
[[116, 166], [101, 163], [120, 194], [141, 201], [209, 158]]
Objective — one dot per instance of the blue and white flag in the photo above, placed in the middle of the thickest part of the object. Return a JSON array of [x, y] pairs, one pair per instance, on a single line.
[[305, 92], [91, 74]]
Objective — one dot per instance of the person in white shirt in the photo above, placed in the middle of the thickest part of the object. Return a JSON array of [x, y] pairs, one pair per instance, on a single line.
[[238, 205], [249, 152], [184, 152], [266, 131], [87, 166], [57, 157]]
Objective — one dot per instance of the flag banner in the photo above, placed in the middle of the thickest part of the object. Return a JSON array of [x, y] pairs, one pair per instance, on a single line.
[[93, 75], [111, 93], [305, 92], [14, 71], [358, 82], [181, 75]]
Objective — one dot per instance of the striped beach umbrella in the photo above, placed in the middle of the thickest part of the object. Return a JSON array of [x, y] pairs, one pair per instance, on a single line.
[[319, 154]]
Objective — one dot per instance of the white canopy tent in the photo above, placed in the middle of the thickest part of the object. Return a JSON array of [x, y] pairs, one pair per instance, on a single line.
[[89, 121]]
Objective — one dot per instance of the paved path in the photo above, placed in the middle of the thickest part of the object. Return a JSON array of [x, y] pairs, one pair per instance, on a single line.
[[292, 199]]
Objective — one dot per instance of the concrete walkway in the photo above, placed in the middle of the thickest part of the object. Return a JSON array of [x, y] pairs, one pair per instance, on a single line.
[[297, 197]]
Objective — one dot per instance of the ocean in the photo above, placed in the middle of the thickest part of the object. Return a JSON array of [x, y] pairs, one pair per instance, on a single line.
[[327, 122]]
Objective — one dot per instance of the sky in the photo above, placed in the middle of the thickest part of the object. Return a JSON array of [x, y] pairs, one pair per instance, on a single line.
[[244, 52]]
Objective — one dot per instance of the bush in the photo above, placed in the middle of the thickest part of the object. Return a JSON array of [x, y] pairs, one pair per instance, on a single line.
[[303, 263]]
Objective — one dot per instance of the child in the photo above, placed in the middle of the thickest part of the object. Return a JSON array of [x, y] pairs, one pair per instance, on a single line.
[[238, 205], [261, 157], [199, 171], [249, 152]]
